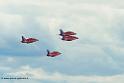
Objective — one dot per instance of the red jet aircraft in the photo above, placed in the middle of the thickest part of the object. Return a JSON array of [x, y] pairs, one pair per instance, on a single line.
[[53, 54], [69, 38], [62, 33], [28, 40]]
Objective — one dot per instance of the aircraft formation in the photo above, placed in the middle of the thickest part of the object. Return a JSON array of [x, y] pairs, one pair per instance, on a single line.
[[66, 36]]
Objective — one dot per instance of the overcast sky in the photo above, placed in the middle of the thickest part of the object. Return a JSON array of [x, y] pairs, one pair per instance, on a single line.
[[96, 57]]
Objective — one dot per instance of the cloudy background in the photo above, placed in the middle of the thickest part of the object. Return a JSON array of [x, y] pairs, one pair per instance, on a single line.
[[97, 57]]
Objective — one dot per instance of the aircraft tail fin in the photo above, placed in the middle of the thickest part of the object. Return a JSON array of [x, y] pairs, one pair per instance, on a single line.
[[61, 32], [23, 38], [48, 52]]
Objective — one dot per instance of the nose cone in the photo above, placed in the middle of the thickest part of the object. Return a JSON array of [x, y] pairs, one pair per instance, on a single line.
[[76, 38], [37, 40], [58, 53], [74, 33]]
